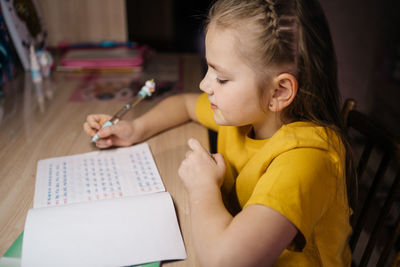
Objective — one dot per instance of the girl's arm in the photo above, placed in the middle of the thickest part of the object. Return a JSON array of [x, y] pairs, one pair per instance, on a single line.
[[254, 237], [170, 112]]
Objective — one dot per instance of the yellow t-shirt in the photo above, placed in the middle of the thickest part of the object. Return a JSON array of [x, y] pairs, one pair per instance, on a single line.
[[298, 172]]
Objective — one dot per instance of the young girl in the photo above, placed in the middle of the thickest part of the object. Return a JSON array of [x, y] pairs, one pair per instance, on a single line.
[[276, 193]]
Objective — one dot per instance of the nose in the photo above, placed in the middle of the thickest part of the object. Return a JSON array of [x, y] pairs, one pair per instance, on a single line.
[[205, 85]]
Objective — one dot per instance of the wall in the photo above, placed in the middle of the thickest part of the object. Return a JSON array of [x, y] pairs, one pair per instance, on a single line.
[[167, 25], [151, 22], [365, 33], [84, 20]]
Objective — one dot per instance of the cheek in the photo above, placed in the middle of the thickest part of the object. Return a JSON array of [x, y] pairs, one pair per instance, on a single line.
[[224, 99], [233, 98], [243, 105], [231, 103]]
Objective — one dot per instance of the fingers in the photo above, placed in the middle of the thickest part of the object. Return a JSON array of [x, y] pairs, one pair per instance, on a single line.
[[104, 143], [105, 136], [195, 145], [97, 120], [89, 130], [119, 134], [117, 130], [200, 170], [219, 159], [94, 122], [198, 150], [115, 135], [106, 131]]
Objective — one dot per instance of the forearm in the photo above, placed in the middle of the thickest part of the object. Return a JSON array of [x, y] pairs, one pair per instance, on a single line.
[[255, 237], [210, 220], [170, 112]]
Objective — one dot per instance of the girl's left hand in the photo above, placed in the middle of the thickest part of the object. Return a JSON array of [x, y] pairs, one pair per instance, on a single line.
[[199, 170]]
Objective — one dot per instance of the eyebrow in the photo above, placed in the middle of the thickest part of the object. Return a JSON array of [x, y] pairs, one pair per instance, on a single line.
[[217, 68]]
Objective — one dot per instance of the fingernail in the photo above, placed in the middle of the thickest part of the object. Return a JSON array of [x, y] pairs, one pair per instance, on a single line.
[[191, 140]]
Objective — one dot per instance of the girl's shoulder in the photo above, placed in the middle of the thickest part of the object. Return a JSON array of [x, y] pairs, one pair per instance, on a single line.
[[307, 134], [306, 131]]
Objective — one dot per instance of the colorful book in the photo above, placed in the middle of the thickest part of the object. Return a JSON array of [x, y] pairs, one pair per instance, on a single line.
[[12, 257], [114, 58]]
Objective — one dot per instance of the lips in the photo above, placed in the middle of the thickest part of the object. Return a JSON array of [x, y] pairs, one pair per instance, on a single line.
[[213, 106]]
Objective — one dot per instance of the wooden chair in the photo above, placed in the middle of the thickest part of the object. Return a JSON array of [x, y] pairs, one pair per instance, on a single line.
[[373, 139]]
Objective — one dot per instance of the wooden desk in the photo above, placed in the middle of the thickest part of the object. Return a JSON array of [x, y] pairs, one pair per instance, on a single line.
[[29, 132]]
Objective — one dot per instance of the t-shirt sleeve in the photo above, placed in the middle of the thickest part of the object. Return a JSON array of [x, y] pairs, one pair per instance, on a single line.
[[300, 184], [204, 112]]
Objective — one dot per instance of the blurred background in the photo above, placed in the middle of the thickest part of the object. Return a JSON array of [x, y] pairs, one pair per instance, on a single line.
[[366, 36]]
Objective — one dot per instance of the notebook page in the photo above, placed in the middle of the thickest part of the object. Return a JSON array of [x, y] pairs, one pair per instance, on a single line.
[[105, 174], [112, 232]]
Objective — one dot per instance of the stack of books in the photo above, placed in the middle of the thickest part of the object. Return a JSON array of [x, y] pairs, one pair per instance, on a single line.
[[103, 59]]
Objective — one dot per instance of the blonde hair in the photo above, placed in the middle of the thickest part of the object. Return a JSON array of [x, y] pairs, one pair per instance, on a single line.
[[293, 36], [270, 38]]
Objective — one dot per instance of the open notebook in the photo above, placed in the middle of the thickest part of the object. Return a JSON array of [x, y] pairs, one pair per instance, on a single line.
[[103, 208]]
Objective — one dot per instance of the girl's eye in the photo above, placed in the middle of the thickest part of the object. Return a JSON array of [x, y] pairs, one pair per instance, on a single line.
[[220, 81]]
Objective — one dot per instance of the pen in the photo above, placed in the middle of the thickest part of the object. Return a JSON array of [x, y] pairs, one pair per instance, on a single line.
[[148, 88]]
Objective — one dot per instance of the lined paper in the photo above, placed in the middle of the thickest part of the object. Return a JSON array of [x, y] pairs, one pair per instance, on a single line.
[[107, 174]]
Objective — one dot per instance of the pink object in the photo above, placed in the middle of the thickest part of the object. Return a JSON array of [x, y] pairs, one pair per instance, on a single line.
[[116, 57]]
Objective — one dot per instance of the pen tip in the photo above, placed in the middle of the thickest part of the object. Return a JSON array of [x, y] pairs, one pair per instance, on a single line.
[[95, 138]]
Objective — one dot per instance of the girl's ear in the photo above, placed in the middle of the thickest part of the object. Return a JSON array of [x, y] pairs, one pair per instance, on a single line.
[[285, 88]]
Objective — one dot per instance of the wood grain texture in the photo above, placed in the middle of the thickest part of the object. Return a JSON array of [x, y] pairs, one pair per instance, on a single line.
[[75, 21], [30, 132]]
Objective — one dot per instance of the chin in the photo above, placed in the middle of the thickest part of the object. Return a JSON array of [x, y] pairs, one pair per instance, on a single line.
[[221, 120]]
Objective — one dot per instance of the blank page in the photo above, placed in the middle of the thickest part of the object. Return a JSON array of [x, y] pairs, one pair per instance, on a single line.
[[112, 232]]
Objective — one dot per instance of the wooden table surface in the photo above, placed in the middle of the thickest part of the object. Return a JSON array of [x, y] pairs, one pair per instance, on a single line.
[[36, 125]]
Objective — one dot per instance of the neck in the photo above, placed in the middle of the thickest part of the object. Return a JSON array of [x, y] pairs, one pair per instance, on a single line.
[[267, 127]]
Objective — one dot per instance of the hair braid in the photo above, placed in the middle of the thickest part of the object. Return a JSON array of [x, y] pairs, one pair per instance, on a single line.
[[295, 35], [272, 17]]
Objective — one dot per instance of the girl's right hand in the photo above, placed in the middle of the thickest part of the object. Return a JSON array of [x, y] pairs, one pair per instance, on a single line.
[[124, 133]]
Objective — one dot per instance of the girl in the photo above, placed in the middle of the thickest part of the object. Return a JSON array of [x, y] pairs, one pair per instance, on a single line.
[[276, 192]]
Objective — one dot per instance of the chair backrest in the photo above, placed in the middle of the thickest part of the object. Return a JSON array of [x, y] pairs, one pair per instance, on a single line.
[[373, 141]]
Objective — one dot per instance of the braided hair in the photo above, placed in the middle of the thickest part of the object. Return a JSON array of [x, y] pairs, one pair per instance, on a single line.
[[294, 36], [272, 17]]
